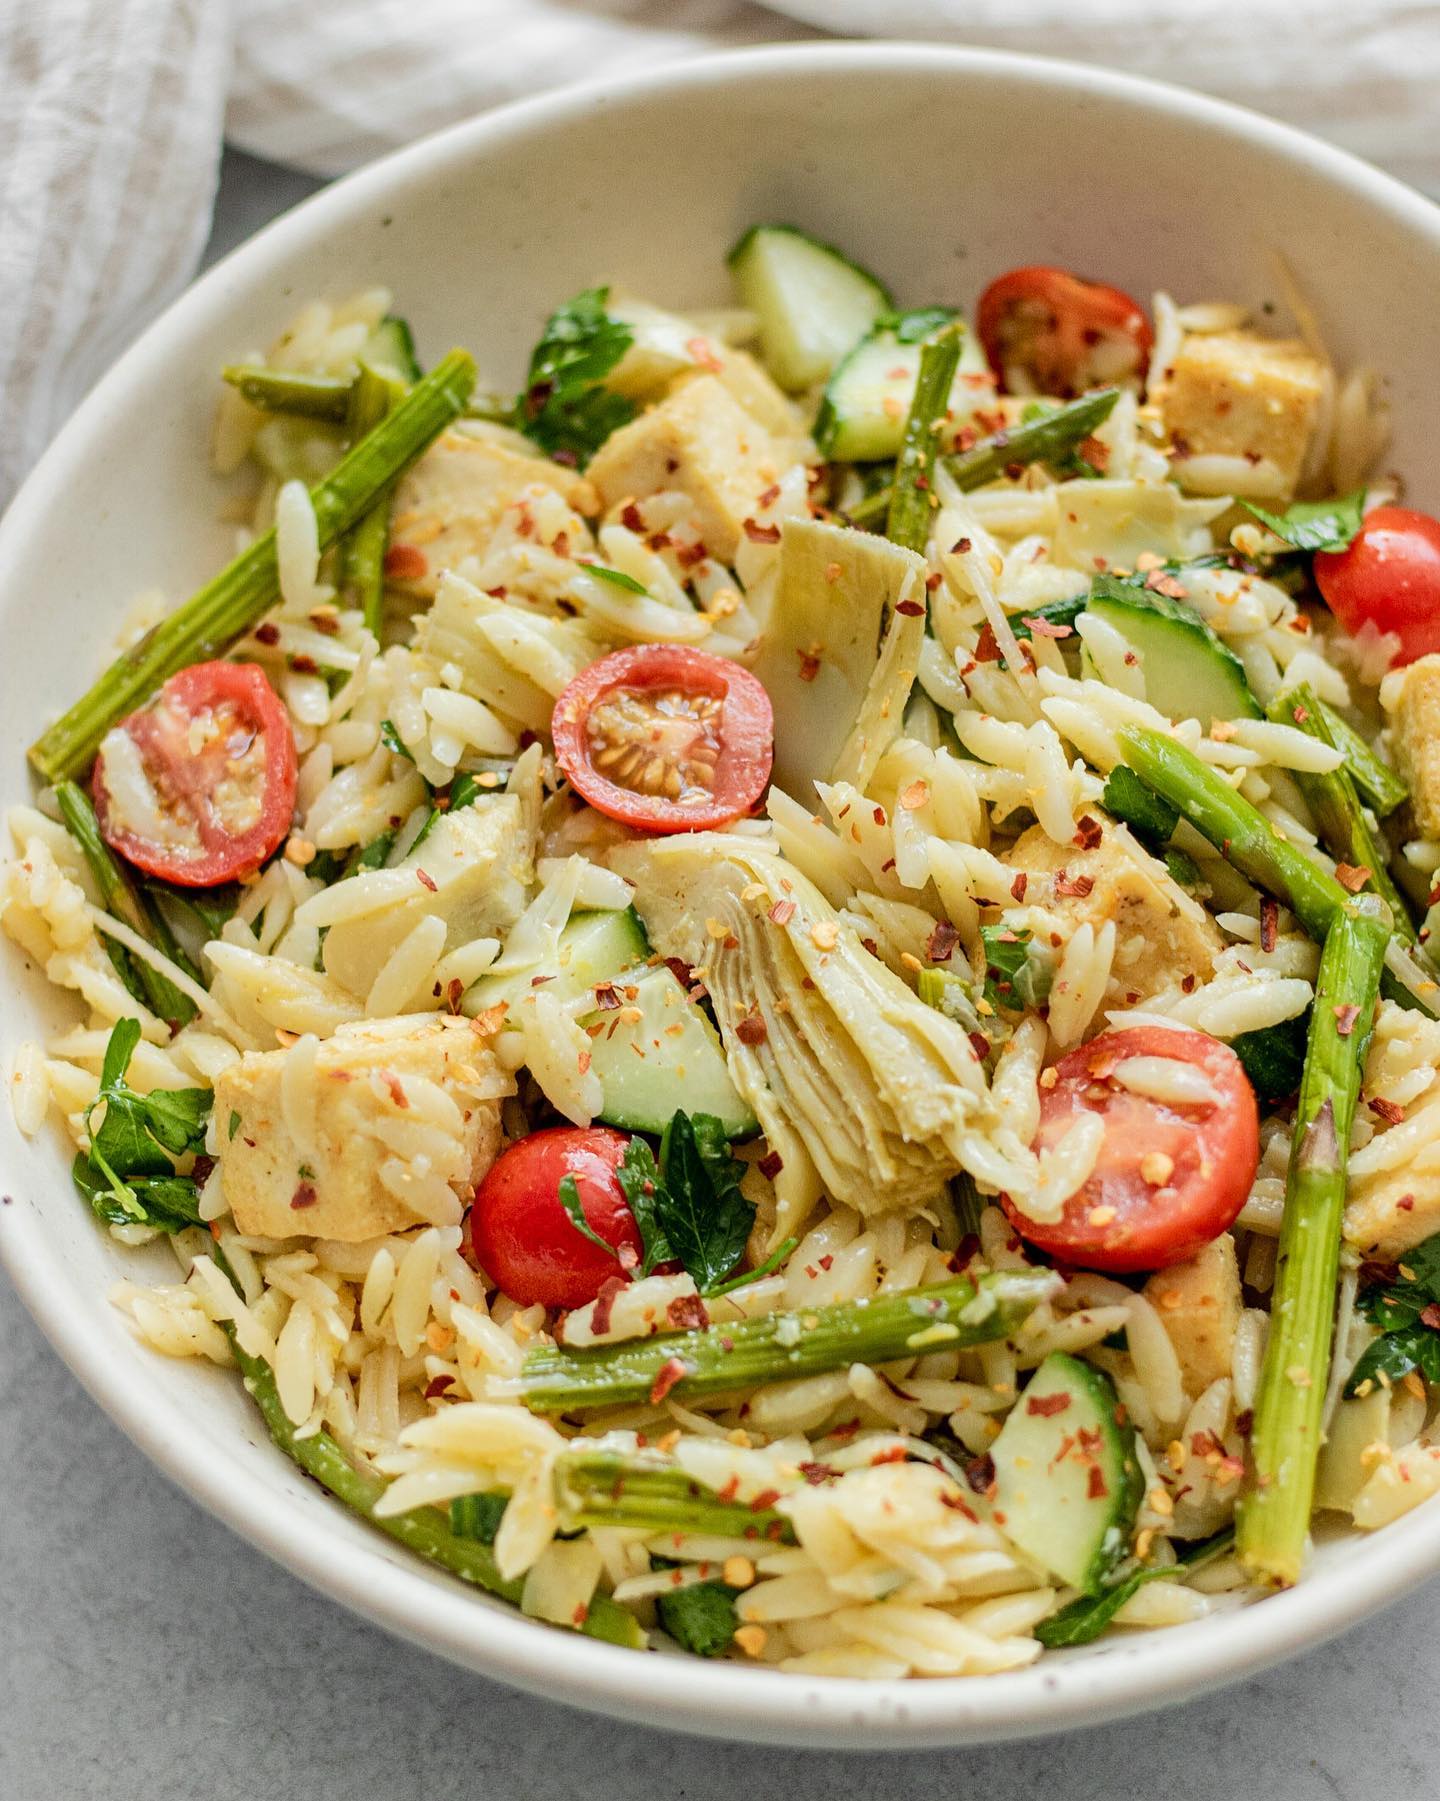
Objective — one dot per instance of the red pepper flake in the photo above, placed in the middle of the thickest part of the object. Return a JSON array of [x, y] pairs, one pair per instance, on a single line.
[[782, 912], [438, 1386], [770, 1165], [1018, 886], [1406, 1203], [1345, 1018], [1391, 1111], [826, 1260], [845, 1431], [767, 1497], [891, 1454], [769, 497], [631, 518], [1046, 1405], [761, 534], [980, 1044], [961, 547], [703, 352], [304, 1196], [727, 1490], [912, 609], [607, 996], [1352, 876], [268, 633], [1079, 885], [816, 1473], [392, 1083], [426, 881], [986, 649], [581, 1614], [688, 555], [809, 665], [406, 563], [1095, 452], [942, 942], [303, 664], [1245, 1422], [933, 581], [1047, 628], [1430, 1315], [202, 1169], [964, 1253], [454, 994], [687, 1313], [751, 1029], [958, 1504], [1095, 1489], [980, 1474], [673, 1370], [1269, 923], [1088, 834]]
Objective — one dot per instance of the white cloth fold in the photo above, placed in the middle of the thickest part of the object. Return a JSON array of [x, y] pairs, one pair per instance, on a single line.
[[112, 111]]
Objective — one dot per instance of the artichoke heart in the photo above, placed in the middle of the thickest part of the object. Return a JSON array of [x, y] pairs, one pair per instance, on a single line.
[[826, 1044], [839, 652]]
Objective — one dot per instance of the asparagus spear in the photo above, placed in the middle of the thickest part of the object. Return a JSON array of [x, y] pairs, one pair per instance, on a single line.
[[227, 607], [362, 556], [603, 1488], [1247, 840], [1273, 1514], [780, 1346], [1377, 781], [424, 1531], [1336, 805], [281, 391], [1042, 440], [124, 901], [911, 493]]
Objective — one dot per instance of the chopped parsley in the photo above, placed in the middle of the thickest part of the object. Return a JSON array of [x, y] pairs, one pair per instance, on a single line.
[[1312, 525], [564, 407], [129, 1175], [1018, 970], [1407, 1311]]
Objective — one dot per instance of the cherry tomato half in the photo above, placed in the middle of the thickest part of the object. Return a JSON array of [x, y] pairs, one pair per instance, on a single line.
[[1389, 577], [520, 1233], [1045, 331], [1169, 1177], [666, 739], [199, 787]]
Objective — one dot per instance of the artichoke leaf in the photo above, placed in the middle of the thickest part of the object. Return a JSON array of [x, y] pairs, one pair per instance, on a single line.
[[837, 656], [886, 1094]]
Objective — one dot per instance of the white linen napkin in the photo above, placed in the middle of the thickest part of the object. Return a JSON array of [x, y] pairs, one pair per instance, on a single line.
[[112, 113]]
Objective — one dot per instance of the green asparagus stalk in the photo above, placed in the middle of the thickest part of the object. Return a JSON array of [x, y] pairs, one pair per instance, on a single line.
[[425, 1531], [282, 391], [781, 1346], [1042, 440], [1377, 781], [362, 554], [123, 900], [228, 606], [1273, 1514], [1332, 798], [912, 497], [603, 1488]]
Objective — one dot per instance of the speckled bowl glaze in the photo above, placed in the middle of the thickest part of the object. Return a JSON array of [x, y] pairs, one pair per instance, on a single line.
[[938, 168]]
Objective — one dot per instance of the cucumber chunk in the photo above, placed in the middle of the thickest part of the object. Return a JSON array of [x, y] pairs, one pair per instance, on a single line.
[[391, 349], [1190, 673], [593, 948], [862, 417], [1067, 1479], [667, 1061], [813, 303]]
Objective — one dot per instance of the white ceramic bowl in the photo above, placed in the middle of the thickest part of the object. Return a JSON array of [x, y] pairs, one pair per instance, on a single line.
[[938, 168]]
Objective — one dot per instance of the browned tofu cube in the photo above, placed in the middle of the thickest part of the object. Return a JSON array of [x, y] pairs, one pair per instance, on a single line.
[[1233, 394], [1199, 1304], [1415, 720]]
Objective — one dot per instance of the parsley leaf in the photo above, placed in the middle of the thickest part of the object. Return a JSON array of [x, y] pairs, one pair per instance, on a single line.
[[1274, 1056], [564, 408], [639, 1179], [701, 1619], [1149, 815], [701, 1209], [1085, 1618], [1315, 524], [1018, 971], [570, 1200], [1407, 1311], [391, 739], [616, 577], [129, 1174]]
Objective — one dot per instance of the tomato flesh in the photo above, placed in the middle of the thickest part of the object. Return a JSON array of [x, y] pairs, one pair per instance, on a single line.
[[1045, 331], [1170, 1176], [665, 738], [1388, 578], [520, 1233], [199, 787]]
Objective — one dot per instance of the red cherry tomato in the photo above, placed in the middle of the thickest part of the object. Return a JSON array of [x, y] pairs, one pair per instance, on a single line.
[[666, 739], [1170, 1177], [199, 786], [1045, 331], [520, 1233], [1389, 578]]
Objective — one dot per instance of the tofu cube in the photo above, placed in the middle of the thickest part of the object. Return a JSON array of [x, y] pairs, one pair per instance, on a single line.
[[471, 871], [700, 442], [1392, 1212], [1234, 394], [1162, 935], [387, 1123], [1199, 1304], [449, 505], [1412, 696]]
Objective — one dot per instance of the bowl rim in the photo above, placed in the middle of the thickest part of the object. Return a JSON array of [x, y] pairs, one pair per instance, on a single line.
[[1136, 1674]]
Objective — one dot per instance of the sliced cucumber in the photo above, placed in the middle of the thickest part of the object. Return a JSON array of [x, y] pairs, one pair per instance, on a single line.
[[862, 417], [813, 303], [1067, 1480], [1190, 673], [666, 1061], [391, 349], [593, 948]]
